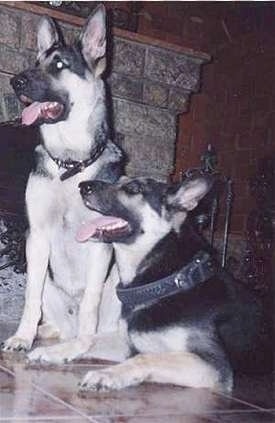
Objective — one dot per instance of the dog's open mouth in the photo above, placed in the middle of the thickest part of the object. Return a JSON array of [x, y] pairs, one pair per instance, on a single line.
[[47, 111], [105, 228]]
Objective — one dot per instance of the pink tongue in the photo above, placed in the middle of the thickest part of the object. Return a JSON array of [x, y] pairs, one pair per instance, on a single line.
[[31, 113], [88, 229]]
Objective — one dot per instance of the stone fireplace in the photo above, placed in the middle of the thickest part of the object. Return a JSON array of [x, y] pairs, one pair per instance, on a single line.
[[150, 83]]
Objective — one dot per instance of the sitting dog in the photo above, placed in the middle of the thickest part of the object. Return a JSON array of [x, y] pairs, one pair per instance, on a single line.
[[64, 93], [187, 321]]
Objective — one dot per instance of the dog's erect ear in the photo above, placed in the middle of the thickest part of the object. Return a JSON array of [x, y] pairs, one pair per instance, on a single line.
[[188, 194], [93, 36], [47, 34]]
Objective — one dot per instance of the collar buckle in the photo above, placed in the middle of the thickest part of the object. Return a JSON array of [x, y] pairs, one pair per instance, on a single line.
[[179, 280], [82, 165]]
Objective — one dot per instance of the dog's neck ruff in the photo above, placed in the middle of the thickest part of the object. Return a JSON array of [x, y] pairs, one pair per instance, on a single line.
[[73, 166], [198, 271]]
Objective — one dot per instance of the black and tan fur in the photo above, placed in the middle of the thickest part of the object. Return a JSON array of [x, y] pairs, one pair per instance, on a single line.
[[196, 338]]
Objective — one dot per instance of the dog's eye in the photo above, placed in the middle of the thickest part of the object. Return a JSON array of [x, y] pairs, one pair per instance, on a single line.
[[59, 64], [133, 188]]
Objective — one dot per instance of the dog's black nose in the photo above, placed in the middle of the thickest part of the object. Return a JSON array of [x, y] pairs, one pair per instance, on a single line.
[[19, 82], [85, 188], [92, 187]]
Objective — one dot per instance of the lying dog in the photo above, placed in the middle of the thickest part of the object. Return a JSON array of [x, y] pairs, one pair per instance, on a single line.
[[188, 322], [64, 93]]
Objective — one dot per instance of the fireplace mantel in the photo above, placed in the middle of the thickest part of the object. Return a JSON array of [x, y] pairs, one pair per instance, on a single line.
[[121, 33]]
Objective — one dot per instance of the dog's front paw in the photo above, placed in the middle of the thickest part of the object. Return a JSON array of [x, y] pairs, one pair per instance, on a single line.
[[42, 355], [47, 355], [16, 343], [101, 381], [58, 353]]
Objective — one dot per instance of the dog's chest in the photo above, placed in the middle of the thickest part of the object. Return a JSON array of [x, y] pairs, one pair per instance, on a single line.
[[72, 206], [71, 209], [162, 340], [68, 258]]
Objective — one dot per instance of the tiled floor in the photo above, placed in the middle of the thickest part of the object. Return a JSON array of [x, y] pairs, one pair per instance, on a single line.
[[36, 394]]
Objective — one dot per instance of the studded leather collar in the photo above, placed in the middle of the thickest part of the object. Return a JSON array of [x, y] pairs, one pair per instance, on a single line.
[[199, 270], [73, 166]]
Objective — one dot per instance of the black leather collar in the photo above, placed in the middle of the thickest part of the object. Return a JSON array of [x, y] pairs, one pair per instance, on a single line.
[[199, 270], [73, 166]]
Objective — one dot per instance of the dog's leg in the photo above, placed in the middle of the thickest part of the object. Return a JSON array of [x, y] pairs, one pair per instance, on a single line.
[[104, 346], [59, 320], [40, 198], [37, 253], [99, 260], [47, 331], [177, 368], [110, 306], [111, 346]]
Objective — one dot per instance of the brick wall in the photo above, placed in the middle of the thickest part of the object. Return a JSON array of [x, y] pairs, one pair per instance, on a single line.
[[235, 109], [235, 113]]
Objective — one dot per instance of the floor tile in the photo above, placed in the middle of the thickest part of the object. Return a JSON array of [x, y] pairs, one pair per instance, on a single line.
[[258, 390], [137, 404], [159, 401], [20, 399], [147, 399]]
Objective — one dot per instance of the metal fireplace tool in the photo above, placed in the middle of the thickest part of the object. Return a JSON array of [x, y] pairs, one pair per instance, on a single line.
[[206, 216]]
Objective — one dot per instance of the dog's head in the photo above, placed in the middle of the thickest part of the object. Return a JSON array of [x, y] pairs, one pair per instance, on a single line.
[[141, 206], [63, 76]]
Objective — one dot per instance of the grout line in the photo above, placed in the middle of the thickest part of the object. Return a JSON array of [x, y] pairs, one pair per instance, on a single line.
[[53, 397], [6, 370], [257, 407], [269, 410], [68, 405]]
